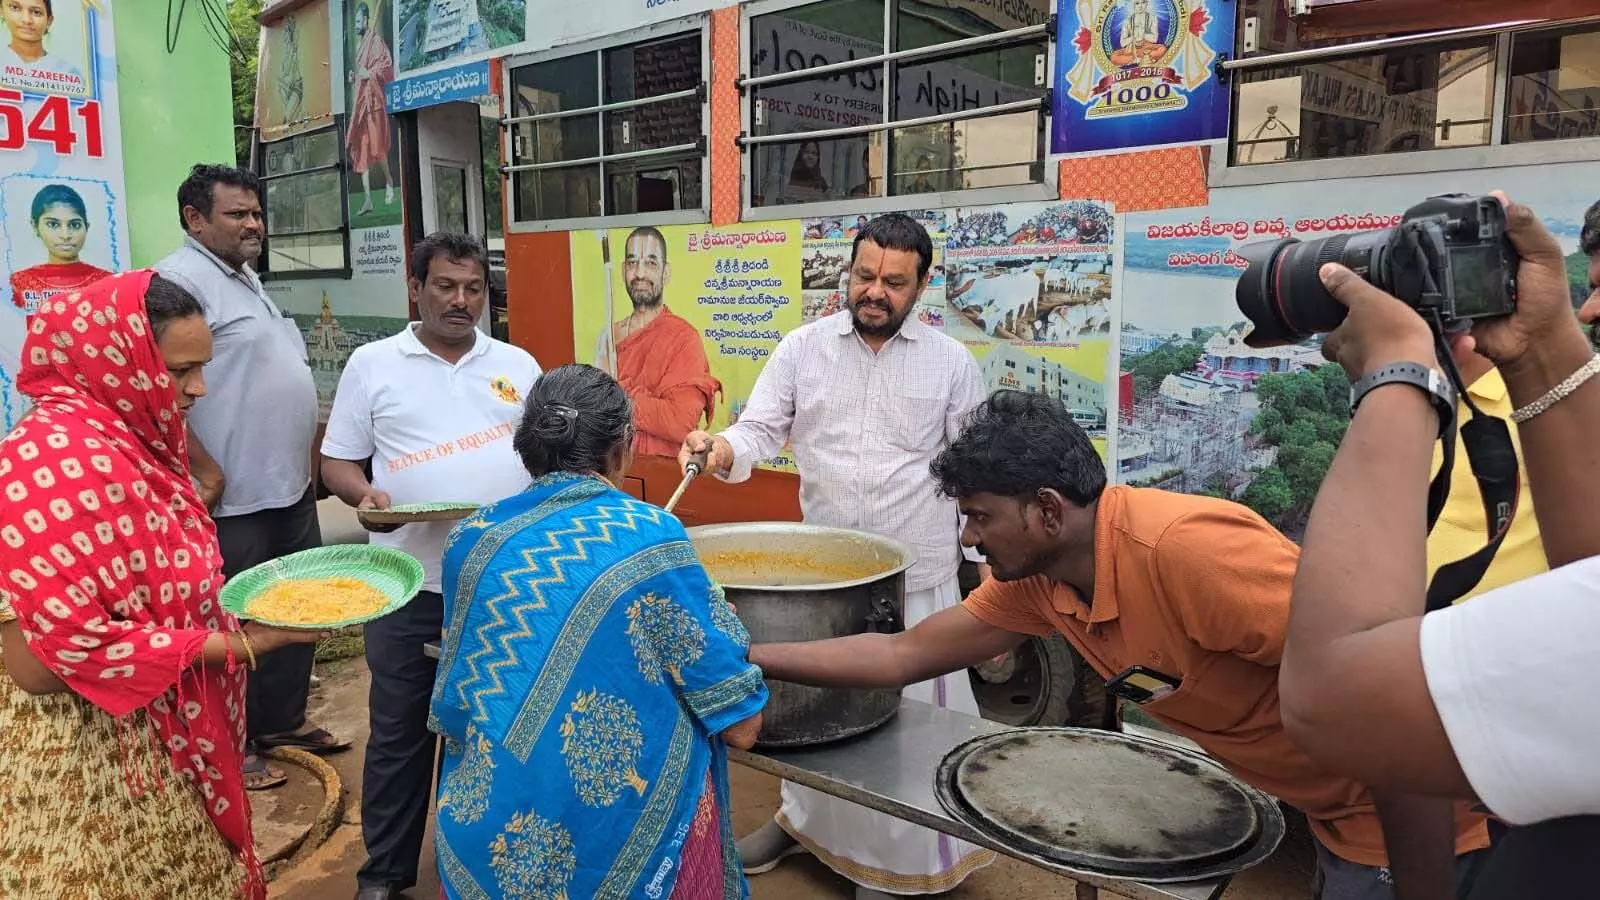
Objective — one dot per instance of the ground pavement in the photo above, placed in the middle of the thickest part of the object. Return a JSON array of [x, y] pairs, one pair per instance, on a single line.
[[340, 703]]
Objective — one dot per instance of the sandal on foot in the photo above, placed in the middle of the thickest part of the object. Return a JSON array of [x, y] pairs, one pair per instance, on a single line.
[[258, 776], [317, 741]]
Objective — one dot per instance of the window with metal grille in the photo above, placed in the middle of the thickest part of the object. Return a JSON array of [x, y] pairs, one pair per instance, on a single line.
[[616, 130], [1298, 98], [308, 215], [862, 100], [1402, 100]]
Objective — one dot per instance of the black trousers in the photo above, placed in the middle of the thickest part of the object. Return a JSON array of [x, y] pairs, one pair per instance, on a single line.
[[397, 777], [1549, 861], [275, 698]]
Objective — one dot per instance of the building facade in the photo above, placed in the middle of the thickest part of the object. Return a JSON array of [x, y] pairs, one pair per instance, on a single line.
[[745, 143]]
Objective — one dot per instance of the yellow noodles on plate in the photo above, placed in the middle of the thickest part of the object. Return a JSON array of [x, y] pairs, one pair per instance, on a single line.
[[316, 601]]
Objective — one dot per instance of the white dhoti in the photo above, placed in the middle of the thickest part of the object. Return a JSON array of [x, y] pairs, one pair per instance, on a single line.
[[877, 850]]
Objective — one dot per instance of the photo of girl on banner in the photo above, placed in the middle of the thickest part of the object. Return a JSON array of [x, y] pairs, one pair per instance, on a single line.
[[61, 227], [45, 55]]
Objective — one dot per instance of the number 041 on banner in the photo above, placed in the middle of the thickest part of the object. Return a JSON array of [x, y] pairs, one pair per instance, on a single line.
[[56, 122]]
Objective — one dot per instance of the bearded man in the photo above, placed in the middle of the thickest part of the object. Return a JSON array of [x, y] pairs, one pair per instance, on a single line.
[[661, 362], [867, 398]]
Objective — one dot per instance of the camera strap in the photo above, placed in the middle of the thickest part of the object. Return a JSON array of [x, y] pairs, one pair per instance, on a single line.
[[1493, 459]]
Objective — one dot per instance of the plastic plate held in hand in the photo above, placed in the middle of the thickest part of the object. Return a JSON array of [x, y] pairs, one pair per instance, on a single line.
[[395, 575], [417, 512]]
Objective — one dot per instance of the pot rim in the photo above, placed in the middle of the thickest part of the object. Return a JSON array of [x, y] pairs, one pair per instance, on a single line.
[[908, 554]]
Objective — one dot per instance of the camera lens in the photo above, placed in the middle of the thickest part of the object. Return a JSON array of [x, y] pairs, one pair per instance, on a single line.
[[1281, 291]]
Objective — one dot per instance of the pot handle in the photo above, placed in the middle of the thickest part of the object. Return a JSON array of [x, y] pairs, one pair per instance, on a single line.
[[884, 617]]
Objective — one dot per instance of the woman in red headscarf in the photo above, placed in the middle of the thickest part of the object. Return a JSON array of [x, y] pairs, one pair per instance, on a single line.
[[121, 678]]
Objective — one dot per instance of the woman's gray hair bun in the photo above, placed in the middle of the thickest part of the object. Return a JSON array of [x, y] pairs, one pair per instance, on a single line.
[[557, 423]]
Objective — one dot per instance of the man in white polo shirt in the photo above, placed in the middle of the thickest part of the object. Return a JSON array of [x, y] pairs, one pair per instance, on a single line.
[[433, 408]]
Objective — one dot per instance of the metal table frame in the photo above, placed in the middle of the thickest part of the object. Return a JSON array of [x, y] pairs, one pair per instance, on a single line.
[[891, 769]]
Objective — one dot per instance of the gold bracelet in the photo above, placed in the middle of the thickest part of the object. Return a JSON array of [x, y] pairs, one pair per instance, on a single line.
[[249, 650]]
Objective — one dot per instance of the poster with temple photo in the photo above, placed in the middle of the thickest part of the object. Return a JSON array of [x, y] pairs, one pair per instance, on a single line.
[[63, 223], [1027, 288], [825, 265], [1199, 410], [439, 31]]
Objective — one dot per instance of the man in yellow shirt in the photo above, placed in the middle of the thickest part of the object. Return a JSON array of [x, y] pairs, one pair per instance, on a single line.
[[1461, 529]]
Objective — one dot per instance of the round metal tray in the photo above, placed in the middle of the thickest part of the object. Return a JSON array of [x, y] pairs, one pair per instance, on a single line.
[[1108, 804]]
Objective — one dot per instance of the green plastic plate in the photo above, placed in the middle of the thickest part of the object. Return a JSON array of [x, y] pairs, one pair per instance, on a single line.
[[417, 512], [397, 575]]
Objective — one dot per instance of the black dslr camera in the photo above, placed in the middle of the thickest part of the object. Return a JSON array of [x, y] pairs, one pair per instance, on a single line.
[[1449, 259]]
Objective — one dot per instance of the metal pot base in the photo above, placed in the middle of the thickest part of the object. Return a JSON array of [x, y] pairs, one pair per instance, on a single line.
[[789, 738]]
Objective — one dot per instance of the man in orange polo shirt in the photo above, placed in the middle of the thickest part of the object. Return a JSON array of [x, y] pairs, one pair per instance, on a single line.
[[1193, 590]]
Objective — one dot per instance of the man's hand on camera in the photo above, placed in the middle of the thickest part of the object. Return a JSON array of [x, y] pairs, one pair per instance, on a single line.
[[1380, 330], [1543, 322]]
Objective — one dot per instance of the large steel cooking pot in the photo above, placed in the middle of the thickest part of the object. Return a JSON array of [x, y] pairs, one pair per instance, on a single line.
[[796, 582]]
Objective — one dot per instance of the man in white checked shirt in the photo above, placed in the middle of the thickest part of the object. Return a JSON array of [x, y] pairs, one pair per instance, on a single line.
[[866, 398]]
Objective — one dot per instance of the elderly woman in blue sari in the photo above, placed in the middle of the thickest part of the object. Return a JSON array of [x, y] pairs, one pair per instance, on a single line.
[[591, 679]]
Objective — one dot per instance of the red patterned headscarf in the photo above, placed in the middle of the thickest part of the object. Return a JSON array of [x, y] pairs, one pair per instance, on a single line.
[[107, 555]]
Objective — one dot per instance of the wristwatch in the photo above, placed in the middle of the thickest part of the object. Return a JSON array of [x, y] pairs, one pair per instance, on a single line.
[[1441, 393]]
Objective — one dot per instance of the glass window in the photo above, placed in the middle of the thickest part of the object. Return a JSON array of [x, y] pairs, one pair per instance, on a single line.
[[1277, 30], [983, 151], [305, 253], [635, 158], [303, 182], [450, 197], [1413, 98], [1555, 85], [305, 151], [991, 151], [300, 203]]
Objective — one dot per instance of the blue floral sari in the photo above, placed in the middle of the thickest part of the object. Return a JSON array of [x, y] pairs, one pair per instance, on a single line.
[[587, 669]]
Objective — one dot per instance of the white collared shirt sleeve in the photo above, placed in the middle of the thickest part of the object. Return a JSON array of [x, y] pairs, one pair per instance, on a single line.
[[967, 396], [349, 434], [764, 424], [1511, 674]]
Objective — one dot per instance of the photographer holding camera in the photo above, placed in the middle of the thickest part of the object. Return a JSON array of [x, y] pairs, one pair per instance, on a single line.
[[1487, 700]]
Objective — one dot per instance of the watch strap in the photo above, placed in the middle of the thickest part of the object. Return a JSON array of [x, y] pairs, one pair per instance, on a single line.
[[1430, 381]]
